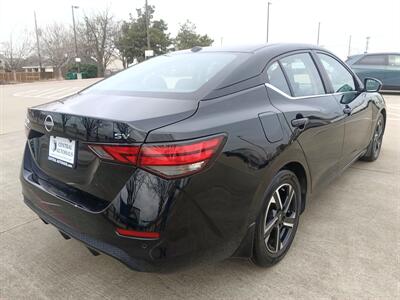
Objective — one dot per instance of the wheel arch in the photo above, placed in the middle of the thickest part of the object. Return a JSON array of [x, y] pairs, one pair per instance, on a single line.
[[383, 112], [298, 169]]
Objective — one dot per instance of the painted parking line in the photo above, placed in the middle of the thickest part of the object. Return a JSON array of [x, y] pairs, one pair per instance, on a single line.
[[48, 92], [61, 94], [23, 93]]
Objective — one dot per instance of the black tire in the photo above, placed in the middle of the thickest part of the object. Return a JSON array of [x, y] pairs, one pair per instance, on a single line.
[[375, 145], [282, 219]]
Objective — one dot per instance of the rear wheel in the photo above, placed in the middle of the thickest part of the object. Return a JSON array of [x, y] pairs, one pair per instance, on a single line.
[[277, 224], [374, 147]]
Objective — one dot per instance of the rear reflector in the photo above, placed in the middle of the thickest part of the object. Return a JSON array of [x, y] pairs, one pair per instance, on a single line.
[[168, 160], [138, 234]]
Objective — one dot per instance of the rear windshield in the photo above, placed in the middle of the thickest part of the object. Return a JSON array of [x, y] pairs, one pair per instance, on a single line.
[[182, 73]]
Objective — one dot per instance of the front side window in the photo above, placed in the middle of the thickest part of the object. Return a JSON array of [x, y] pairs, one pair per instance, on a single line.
[[372, 60], [277, 79], [302, 75], [341, 79], [394, 60]]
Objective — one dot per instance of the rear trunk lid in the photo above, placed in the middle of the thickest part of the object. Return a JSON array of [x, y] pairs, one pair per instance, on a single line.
[[80, 120]]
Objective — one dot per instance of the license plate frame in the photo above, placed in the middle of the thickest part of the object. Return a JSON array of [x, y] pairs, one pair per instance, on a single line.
[[62, 151]]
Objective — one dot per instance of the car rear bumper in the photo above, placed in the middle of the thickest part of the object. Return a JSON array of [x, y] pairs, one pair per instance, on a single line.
[[93, 243], [191, 230], [90, 228]]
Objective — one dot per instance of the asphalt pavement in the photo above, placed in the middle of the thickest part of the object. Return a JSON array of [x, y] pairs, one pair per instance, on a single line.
[[347, 245]]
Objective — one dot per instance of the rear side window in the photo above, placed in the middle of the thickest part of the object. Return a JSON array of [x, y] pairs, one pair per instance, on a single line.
[[394, 60], [373, 60], [277, 79], [302, 75], [341, 79]]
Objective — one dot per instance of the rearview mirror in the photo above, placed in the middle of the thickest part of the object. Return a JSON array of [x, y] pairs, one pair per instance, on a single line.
[[372, 85]]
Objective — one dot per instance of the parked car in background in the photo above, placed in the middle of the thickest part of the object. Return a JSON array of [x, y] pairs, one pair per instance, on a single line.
[[383, 66]]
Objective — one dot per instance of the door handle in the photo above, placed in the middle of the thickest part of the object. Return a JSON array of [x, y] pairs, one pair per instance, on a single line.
[[300, 123], [347, 110]]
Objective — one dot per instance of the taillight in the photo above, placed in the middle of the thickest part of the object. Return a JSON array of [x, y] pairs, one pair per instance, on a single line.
[[168, 159], [124, 154], [138, 234]]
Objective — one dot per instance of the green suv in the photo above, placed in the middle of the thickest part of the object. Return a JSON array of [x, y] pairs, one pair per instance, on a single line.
[[383, 66]]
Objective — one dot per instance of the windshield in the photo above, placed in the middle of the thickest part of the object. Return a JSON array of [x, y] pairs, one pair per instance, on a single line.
[[183, 73]]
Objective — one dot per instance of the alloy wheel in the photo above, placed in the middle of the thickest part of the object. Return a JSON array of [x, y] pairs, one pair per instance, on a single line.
[[280, 218], [378, 134]]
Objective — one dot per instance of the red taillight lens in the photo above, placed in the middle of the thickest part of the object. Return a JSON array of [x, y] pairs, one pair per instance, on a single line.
[[179, 159], [124, 154], [138, 234], [168, 160]]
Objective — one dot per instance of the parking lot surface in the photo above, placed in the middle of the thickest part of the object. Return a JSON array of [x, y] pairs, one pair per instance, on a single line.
[[347, 245]]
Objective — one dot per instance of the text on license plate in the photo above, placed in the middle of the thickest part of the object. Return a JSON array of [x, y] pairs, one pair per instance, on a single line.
[[62, 151]]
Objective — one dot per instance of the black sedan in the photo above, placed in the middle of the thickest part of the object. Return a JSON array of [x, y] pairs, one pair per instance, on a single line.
[[199, 155]]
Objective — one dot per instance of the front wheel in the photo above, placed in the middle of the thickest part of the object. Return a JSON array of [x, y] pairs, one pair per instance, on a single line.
[[277, 224], [374, 147]]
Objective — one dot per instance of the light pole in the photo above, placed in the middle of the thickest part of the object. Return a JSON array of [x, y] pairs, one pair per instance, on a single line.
[[269, 3], [319, 29], [77, 59], [147, 26], [38, 46], [349, 51], [367, 44]]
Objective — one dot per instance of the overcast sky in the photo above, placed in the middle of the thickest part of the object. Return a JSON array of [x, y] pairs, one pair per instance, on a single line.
[[238, 21]]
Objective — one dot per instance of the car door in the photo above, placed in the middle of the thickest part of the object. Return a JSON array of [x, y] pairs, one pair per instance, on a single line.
[[356, 108], [371, 65], [295, 87], [392, 78]]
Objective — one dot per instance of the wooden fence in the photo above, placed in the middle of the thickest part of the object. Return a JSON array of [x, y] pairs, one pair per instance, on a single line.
[[24, 76]]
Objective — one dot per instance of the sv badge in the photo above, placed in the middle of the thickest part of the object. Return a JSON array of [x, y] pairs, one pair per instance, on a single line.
[[120, 136]]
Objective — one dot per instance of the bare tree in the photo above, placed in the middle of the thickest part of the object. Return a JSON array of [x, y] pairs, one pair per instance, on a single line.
[[16, 50], [99, 32], [57, 46]]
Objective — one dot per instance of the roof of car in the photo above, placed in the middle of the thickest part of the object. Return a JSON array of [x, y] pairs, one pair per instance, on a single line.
[[377, 53], [254, 59], [356, 57], [253, 48]]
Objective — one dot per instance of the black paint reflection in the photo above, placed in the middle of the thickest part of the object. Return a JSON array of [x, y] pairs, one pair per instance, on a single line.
[[144, 201], [85, 128]]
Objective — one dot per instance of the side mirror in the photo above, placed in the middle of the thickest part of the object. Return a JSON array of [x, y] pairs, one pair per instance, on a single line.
[[372, 85]]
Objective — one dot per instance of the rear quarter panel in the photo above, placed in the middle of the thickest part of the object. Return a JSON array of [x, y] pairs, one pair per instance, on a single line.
[[229, 195]]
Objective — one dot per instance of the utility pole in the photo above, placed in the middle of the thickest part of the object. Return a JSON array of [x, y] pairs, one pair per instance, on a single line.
[[319, 29], [367, 44], [77, 59], [349, 51], [11, 63], [147, 26], [269, 3], [38, 46]]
